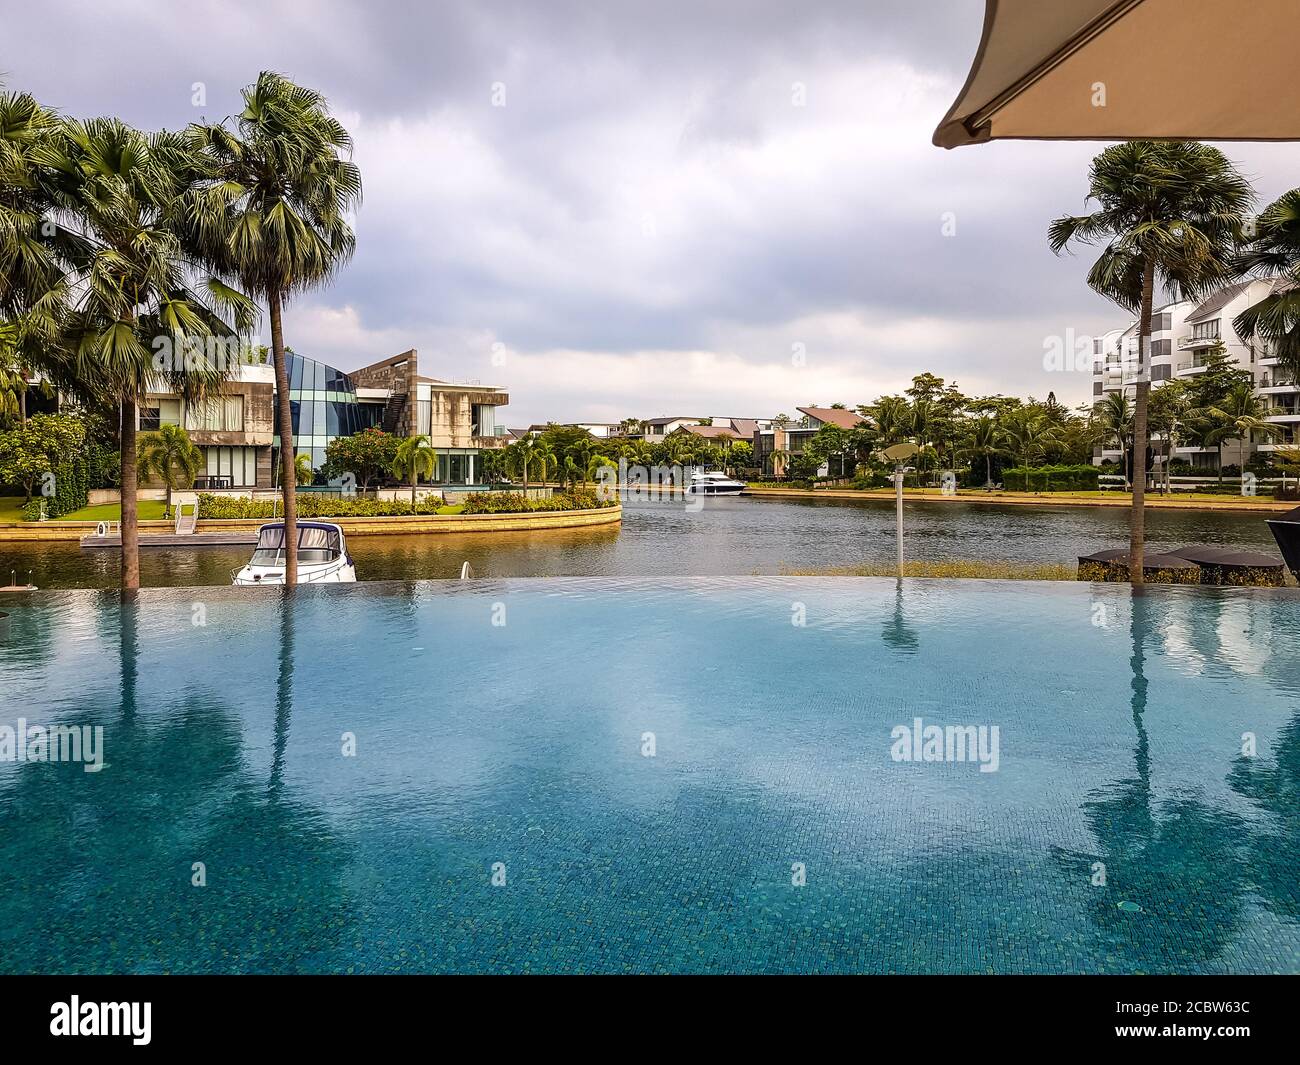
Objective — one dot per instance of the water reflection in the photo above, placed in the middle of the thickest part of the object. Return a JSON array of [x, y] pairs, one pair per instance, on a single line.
[[1183, 859], [897, 633], [118, 848]]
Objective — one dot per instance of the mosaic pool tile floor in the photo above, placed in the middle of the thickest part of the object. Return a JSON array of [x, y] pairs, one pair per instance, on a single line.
[[705, 775]]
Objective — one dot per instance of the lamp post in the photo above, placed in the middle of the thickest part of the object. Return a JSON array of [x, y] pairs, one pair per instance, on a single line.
[[898, 454]]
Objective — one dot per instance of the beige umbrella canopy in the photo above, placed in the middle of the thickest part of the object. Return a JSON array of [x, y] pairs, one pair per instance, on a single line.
[[1133, 69]]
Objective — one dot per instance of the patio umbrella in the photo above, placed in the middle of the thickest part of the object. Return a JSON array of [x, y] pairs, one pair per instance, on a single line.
[[1130, 69]]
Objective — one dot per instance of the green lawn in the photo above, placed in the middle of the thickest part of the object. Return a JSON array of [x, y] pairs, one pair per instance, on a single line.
[[150, 510]]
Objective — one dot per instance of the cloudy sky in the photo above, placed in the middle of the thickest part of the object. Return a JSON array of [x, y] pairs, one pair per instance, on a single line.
[[653, 208]]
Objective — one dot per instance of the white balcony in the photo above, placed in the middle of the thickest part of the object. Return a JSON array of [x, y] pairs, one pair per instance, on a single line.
[[1196, 343]]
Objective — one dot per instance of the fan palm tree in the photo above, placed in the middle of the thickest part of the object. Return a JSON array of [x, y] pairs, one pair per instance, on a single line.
[[1276, 250], [1170, 213], [169, 454], [274, 218], [1236, 417], [135, 287], [32, 264], [1114, 416], [415, 456]]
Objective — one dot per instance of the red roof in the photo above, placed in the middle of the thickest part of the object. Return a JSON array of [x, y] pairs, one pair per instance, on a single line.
[[845, 419]]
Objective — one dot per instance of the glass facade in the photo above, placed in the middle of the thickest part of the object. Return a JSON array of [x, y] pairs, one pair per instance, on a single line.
[[323, 405]]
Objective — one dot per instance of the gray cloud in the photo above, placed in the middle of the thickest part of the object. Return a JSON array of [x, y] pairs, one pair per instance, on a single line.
[[650, 196]]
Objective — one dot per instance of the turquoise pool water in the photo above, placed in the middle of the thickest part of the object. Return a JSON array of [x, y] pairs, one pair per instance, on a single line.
[[667, 775]]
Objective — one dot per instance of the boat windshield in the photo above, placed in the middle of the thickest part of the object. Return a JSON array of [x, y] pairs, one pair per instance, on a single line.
[[314, 546]]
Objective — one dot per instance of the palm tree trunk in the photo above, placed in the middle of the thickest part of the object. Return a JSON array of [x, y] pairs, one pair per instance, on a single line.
[[130, 505], [988, 471], [1137, 517], [415, 480], [288, 471], [22, 404]]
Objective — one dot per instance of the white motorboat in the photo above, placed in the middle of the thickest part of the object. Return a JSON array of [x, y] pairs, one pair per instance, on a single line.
[[714, 483], [322, 556]]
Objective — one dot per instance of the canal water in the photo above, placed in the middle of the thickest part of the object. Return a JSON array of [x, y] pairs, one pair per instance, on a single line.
[[724, 537]]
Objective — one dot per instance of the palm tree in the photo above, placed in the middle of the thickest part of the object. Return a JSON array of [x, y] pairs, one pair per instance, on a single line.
[[1276, 250], [302, 471], [984, 438], [1165, 416], [414, 456], [544, 458], [1238, 415], [274, 217], [1028, 433], [1114, 415], [32, 263], [521, 455], [135, 287], [779, 456], [170, 455], [1169, 212]]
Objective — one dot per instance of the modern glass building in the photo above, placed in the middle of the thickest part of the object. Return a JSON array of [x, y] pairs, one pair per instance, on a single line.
[[323, 405]]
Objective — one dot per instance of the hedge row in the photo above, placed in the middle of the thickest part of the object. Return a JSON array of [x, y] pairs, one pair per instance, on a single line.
[[312, 505], [1051, 479], [518, 503]]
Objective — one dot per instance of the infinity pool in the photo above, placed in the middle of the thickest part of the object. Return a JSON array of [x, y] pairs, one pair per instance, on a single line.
[[706, 775]]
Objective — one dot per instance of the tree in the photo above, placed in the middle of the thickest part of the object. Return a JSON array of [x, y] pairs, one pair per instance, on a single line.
[[169, 454], [1027, 433], [414, 456], [33, 287], [1114, 416], [141, 309], [302, 471], [1170, 212], [37, 447], [984, 440], [274, 217], [365, 455], [1167, 415], [1276, 250], [1237, 416]]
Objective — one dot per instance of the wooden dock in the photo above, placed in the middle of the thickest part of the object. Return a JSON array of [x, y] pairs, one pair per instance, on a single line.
[[231, 538]]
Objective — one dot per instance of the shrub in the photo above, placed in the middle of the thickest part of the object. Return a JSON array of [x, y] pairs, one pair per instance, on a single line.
[[518, 503], [32, 509], [1051, 479], [1290, 494], [316, 505]]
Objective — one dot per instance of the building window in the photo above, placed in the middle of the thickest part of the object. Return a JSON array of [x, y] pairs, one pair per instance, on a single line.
[[1162, 347], [1096, 388], [237, 463], [1161, 323], [1206, 330], [1163, 372], [217, 415]]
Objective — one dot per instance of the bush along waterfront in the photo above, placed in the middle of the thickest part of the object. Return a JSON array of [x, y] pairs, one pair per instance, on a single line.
[[321, 506]]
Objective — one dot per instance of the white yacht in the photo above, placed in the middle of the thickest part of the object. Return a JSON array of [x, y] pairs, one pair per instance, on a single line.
[[322, 556], [715, 483]]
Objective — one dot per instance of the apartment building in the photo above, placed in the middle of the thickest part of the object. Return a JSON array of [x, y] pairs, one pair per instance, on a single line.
[[1181, 335]]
